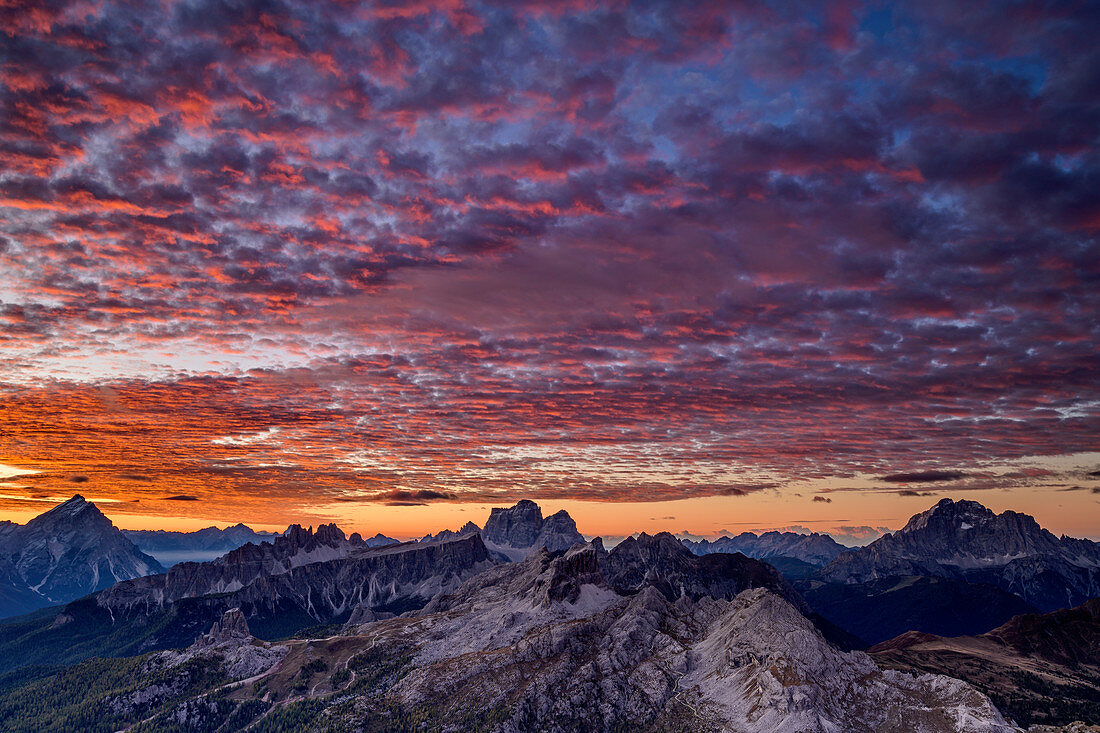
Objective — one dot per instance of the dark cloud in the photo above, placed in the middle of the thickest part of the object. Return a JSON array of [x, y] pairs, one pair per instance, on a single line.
[[920, 477], [180, 497], [910, 492], [823, 499], [418, 497], [78, 479]]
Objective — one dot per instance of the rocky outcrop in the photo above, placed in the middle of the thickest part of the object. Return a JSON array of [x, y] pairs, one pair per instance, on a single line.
[[965, 540], [517, 526], [815, 549], [63, 554], [232, 625], [516, 532], [662, 562]]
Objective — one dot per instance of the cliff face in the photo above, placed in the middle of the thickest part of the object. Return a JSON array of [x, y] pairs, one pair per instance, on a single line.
[[516, 532], [662, 562], [297, 547], [392, 579]]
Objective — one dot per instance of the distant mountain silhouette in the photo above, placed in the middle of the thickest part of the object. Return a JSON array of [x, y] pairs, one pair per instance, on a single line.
[[170, 547]]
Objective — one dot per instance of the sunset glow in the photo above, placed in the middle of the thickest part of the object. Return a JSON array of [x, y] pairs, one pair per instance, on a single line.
[[687, 266]]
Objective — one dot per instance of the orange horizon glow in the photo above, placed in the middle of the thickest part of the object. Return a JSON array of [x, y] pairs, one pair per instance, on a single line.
[[683, 266], [847, 510]]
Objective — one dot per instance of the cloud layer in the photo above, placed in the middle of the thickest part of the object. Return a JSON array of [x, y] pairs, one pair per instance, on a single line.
[[417, 252]]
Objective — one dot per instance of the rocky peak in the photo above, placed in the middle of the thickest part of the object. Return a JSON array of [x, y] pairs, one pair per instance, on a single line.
[[559, 532], [965, 532], [76, 512], [652, 549], [231, 626], [515, 532], [329, 534], [70, 551], [951, 514], [517, 526], [76, 504], [965, 540], [577, 567], [297, 539], [662, 562], [379, 540]]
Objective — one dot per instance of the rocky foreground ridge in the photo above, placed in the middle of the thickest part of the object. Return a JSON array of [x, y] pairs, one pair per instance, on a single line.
[[647, 637], [1039, 668]]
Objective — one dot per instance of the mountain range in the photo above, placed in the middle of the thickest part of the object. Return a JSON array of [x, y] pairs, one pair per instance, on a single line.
[[170, 548], [795, 555], [956, 569], [967, 541], [643, 637], [524, 625]]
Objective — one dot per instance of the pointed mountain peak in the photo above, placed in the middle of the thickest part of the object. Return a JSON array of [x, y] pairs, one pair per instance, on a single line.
[[74, 504], [76, 507]]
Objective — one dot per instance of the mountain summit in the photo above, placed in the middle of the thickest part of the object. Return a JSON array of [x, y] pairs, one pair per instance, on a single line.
[[518, 531], [967, 541], [63, 554]]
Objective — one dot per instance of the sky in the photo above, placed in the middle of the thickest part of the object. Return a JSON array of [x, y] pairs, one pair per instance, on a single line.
[[704, 266]]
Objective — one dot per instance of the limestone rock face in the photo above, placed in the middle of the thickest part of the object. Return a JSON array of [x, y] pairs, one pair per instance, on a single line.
[[278, 590], [295, 548], [517, 526], [967, 541], [232, 625], [516, 532], [550, 644]]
